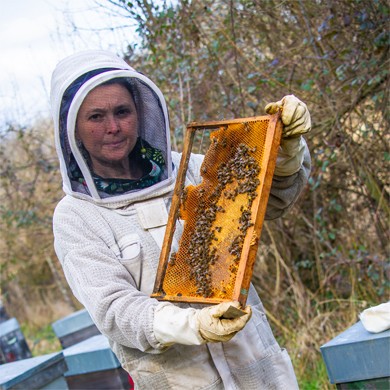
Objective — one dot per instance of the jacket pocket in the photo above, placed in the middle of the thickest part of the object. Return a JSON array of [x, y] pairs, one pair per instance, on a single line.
[[131, 256]]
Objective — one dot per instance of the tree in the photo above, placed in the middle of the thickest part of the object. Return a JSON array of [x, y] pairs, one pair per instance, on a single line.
[[30, 188]]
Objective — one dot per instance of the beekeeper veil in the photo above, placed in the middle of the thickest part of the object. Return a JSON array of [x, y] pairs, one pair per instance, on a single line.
[[72, 80]]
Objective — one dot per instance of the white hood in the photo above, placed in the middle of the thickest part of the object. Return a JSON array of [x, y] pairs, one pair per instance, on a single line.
[[73, 78]]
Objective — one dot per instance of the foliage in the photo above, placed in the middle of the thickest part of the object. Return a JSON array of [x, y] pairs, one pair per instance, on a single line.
[[41, 340], [30, 188]]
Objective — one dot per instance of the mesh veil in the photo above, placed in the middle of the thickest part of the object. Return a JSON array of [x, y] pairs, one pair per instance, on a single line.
[[153, 129]]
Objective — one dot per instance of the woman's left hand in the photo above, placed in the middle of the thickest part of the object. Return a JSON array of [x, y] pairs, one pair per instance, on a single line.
[[295, 116]]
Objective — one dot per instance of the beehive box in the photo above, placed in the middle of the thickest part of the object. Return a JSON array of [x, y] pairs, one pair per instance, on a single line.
[[92, 365], [358, 359], [74, 328], [42, 372], [13, 345], [223, 215]]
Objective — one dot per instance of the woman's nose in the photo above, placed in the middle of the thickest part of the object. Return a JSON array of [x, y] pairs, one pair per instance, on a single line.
[[112, 125]]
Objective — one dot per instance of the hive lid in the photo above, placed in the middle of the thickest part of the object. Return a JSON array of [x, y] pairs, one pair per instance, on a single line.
[[72, 323], [9, 326], [31, 373], [357, 354], [91, 355]]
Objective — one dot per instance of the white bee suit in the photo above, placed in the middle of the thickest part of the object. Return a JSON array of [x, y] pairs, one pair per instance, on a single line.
[[109, 247]]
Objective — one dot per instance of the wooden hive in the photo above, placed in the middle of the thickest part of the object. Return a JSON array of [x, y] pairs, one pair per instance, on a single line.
[[74, 328], [358, 359], [92, 365], [13, 345], [42, 372]]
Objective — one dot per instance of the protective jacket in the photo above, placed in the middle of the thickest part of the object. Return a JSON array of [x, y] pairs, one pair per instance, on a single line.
[[110, 254]]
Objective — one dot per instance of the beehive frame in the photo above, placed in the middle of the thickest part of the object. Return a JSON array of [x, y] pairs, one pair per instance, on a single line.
[[242, 274]]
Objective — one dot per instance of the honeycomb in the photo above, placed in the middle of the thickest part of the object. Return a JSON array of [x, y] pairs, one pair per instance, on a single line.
[[222, 215]]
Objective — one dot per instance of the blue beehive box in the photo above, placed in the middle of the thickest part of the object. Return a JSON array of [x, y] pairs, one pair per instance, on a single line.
[[13, 345], [357, 358], [41, 372], [92, 365], [74, 328]]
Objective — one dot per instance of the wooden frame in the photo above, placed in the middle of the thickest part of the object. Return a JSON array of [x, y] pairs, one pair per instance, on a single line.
[[250, 246]]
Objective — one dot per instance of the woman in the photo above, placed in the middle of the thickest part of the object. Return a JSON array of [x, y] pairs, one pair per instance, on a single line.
[[113, 142]]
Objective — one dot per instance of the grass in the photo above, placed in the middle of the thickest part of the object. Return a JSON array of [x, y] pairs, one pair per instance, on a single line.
[[41, 340], [316, 378]]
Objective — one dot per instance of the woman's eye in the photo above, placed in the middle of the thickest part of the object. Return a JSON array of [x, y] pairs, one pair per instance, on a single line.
[[123, 112], [95, 117]]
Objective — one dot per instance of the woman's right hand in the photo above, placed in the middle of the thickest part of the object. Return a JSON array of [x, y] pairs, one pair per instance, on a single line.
[[213, 327]]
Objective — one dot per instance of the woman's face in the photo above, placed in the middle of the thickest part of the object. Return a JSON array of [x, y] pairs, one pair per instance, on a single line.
[[107, 127]]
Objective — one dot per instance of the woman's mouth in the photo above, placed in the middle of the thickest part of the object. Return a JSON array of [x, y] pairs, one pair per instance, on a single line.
[[115, 144]]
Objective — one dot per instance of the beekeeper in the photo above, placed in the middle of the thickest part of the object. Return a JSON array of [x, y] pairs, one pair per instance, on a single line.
[[113, 141]]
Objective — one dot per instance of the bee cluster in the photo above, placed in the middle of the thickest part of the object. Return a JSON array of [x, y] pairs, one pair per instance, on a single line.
[[201, 253], [239, 174], [246, 170]]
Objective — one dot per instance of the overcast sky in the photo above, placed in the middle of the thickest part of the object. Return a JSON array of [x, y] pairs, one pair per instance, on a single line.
[[35, 35]]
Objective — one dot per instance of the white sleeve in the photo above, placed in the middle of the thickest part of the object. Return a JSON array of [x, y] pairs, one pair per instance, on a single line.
[[290, 156], [175, 325]]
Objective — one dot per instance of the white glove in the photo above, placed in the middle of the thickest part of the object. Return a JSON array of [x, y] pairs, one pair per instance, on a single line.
[[295, 116], [214, 328], [196, 326], [296, 120], [376, 319]]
